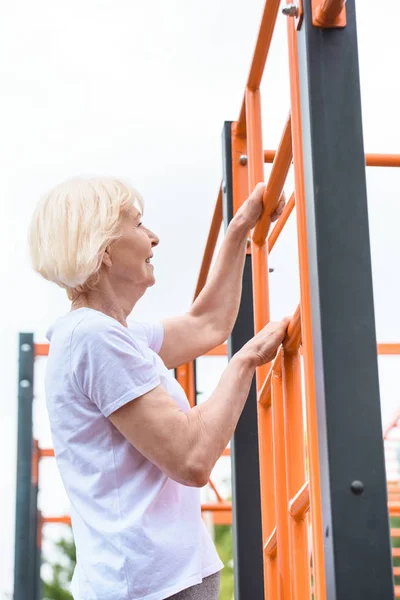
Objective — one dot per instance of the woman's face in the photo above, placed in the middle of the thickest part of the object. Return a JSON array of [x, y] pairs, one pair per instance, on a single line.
[[131, 254]]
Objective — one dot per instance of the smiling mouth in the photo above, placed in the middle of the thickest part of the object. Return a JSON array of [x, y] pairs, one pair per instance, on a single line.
[[148, 259]]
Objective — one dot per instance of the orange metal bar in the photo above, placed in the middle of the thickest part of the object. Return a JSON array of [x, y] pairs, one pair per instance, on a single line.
[[276, 181], [395, 532], [240, 171], [371, 160], [221, 350], [300, 503], [281, 492], [46, 452], [271, 544], [66, 520], [293, 337], [270, 555], [216, 506], [259, 253], [291, 343], [261, 318], [185, 377], [295, 467], [42, 349], [392, 349], [312, 429], [214, 489], [394, 509], [383, 160], [329, 13], [260, 55], [287, 211], [210, 245], [35, 462]]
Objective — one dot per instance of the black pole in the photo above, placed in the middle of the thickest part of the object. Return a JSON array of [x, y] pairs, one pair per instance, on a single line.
[[358, 559], [23, 582], [246, 502]]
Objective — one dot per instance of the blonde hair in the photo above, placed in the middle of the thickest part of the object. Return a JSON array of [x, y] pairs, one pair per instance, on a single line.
[[73, 225]]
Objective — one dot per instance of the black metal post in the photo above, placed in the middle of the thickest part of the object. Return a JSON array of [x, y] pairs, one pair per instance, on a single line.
[[23, 573], [353, 484], [246, 502]]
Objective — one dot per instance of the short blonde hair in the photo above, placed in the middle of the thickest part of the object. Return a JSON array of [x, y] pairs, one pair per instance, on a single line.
[[73, 225]]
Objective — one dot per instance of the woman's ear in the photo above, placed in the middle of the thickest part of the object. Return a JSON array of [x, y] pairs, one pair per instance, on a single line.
[[107, 258]]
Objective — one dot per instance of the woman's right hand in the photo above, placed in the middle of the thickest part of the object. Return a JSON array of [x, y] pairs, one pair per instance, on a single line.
[[262, 348]]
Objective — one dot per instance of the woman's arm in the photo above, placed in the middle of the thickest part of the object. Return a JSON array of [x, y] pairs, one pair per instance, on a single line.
[[186, 446], [213, 314]]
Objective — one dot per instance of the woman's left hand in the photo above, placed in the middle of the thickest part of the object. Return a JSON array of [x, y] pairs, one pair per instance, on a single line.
[[251, 209]]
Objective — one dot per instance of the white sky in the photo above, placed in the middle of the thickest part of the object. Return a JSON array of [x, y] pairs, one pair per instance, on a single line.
[[141, 90]]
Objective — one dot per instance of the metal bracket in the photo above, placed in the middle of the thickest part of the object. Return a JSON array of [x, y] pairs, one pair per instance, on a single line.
[[294, 10], [327, 14]]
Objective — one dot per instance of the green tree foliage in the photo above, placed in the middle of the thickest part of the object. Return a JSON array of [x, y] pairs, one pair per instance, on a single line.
[[223, 543], [62, 571]]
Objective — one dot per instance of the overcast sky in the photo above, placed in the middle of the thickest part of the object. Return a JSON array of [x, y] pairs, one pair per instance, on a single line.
[[140, 90]]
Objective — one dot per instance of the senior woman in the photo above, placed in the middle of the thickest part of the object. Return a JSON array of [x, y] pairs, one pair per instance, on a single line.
[[131, 452]]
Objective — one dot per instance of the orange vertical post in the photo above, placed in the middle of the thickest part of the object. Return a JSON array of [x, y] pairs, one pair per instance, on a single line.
[[312, 430], [261, 317], [281, 495], [295, 469]]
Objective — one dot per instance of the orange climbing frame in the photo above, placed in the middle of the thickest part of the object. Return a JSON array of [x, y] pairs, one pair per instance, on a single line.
[[290, 492]]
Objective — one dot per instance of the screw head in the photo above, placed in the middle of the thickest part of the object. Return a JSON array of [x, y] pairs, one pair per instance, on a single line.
[[291, 10], [26, 347], [243, 159], [357, 487], [24, 383]]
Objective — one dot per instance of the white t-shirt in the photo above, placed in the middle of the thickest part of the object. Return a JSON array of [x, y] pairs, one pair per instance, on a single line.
[[139, 534]]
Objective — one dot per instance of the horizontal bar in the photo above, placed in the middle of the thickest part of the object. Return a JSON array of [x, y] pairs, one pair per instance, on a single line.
[[66, 520], [371, 160], [276, 182], [394, 508], [264, 396], [270, 547], [395, 532], [211, 243], [46, 452], [300, 504], [216, 506], [293, 337], [260, 55], [392, 349], [221, 350], [41, 349], [281, 222]]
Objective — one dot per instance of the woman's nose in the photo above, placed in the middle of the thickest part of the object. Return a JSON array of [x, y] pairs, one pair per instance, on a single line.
[[155, 240]]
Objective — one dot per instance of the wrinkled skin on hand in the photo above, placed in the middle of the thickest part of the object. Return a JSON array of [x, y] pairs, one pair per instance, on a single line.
[[252, 208]]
